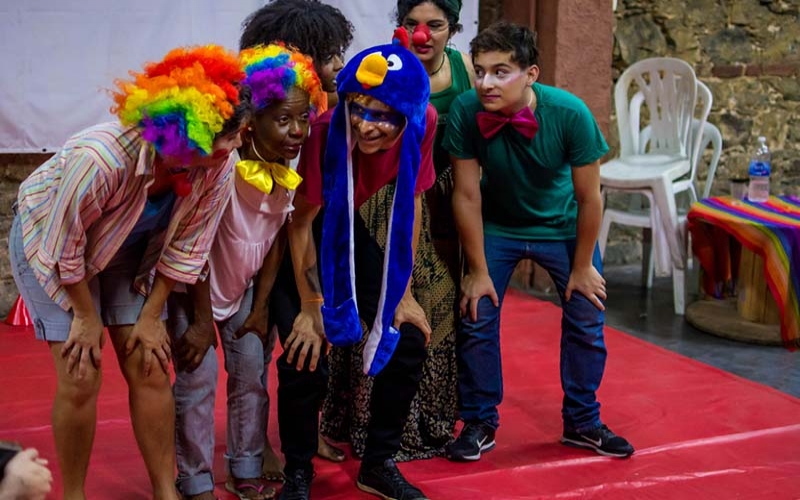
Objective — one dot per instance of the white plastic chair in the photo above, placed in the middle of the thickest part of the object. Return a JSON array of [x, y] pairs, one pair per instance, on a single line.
[[637, 216], [710, 136], [655, 162]]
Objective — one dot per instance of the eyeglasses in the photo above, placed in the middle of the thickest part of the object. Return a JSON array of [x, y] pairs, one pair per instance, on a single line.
[[385, 118], [435, 26]]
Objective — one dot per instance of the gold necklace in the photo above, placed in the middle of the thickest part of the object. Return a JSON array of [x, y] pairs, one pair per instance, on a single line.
[[265, 174], [253, 145]]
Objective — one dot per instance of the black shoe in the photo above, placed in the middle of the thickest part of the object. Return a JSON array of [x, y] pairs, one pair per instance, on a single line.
[[473, 440], [601, 440], [385, 481], [297, 485]]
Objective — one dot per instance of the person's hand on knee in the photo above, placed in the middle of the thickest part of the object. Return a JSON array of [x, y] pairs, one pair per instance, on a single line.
[[191, 348], [150, 332], [589, 283], [83, 348], [474, 286], [256, 322]]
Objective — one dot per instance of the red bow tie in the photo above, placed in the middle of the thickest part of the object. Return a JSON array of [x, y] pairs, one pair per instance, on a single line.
[[523, 121]]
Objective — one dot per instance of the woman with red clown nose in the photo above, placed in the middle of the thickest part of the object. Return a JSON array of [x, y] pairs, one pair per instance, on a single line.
[[103, 233]]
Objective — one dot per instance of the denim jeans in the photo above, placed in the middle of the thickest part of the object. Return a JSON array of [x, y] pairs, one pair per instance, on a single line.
[[113, 295], [583, 350], [195, 393]]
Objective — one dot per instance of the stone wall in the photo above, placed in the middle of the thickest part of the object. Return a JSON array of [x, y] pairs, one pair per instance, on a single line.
[[13, 169], [746, 51]]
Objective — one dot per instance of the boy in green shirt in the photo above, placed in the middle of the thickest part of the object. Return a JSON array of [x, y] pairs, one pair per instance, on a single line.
[[527, 185]]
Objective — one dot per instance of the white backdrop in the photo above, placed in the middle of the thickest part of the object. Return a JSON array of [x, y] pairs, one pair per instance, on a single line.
[[59, 57]]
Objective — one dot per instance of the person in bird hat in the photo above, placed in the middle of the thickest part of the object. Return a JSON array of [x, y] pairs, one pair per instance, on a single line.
[[430, 25], [381, 132]]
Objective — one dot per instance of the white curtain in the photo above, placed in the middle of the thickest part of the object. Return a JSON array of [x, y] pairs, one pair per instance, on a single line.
[[59, 58]]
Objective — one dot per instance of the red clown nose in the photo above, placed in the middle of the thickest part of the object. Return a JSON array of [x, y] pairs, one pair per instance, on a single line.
[[422, 35]]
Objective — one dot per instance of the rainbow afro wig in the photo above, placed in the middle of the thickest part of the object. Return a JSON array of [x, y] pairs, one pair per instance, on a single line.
[[183, 101], [272, 70]]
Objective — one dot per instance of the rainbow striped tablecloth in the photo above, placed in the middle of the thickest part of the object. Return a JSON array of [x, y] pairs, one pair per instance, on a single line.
[[770, 230]]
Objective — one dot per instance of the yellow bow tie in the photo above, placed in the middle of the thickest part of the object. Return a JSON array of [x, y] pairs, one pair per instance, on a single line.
[[264, 175]]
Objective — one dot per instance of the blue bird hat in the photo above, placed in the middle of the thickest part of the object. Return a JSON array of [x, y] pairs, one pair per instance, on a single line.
[[393, 75]]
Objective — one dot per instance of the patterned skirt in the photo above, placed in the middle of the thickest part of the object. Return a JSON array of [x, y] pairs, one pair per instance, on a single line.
[[437, 269]]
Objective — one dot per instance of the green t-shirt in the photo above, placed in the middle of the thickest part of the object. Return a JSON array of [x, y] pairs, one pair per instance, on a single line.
[[526, 185]]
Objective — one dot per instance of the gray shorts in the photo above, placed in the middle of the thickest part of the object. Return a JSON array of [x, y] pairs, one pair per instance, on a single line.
[[112, 291]]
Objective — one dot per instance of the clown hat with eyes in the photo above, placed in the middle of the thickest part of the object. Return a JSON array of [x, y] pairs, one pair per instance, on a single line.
[[394, 76]]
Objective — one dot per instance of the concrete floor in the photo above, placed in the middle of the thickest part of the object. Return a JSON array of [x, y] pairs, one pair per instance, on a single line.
[[648, 315]]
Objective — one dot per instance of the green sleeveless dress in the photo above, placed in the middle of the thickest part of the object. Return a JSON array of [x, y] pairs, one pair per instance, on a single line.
[[436, 280]]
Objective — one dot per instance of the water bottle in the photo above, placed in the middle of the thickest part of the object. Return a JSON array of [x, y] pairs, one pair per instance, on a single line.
[[759, 173]]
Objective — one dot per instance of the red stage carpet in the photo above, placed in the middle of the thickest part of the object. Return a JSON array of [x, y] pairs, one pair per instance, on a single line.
[[700, 433]]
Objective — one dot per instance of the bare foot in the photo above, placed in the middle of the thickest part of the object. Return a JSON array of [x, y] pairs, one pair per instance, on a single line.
[[250, 489], [329, 452], [272, 467]]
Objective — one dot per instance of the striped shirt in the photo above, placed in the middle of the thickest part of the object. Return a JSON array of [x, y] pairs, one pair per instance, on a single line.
[[77, 209]]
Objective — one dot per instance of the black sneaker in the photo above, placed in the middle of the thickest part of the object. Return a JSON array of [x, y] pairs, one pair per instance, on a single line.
[[297, 485], [473, 440], [601, 440], [386, 482]]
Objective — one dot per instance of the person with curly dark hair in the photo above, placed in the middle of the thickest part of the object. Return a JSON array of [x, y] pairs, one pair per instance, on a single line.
[[312, 27]]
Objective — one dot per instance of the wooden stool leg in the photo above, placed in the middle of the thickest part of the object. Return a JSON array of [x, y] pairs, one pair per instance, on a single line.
[[754, 300]]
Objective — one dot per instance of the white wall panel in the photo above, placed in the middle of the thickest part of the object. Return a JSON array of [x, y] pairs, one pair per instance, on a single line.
[[59, 58]]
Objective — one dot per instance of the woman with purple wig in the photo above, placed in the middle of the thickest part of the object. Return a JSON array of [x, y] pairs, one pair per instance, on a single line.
[[286, 94]]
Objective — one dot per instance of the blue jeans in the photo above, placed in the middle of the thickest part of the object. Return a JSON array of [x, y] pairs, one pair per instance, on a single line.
[[583, 350], [248, 403]]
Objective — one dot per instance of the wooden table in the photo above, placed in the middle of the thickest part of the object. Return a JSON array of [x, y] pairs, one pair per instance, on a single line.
[[747, 312], [750, 259]]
